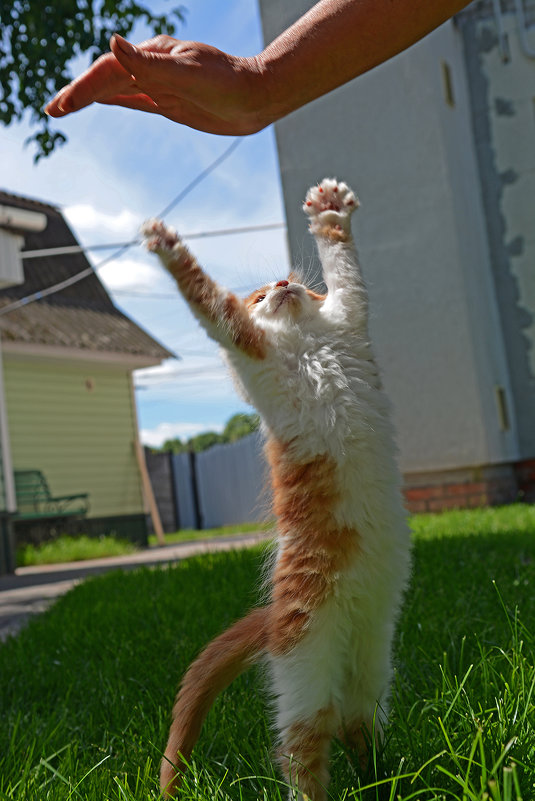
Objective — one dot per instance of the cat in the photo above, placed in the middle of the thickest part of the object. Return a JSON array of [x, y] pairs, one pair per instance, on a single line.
[[342, 562]]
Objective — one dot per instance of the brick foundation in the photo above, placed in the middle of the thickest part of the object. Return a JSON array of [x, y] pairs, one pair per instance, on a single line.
[[525, 475], [492, 485]]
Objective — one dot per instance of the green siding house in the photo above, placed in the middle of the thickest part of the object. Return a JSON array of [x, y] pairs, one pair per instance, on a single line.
[[67, 405]]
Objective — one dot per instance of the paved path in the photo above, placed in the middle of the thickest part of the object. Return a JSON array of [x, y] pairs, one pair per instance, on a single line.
[[33, 589]]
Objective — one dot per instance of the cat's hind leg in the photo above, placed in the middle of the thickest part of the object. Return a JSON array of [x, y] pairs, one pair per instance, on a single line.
[[365, 705], [303, 755], [307, 684], [362, 737]]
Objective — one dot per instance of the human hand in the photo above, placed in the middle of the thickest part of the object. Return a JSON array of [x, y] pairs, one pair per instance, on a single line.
[[188, 82], [202, 87]]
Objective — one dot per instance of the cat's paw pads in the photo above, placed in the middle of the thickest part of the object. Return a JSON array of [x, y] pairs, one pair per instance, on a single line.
[[159, 238], [330, 204], [330, 195]]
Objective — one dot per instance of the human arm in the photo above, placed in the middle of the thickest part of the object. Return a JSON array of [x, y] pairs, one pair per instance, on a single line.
[[202, 87]]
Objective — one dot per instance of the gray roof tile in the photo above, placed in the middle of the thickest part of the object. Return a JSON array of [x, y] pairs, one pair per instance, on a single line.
[[81, 316]]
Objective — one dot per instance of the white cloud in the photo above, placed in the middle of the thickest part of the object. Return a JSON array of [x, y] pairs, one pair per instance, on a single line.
[[163, 372], [131, 274], [192, 380], [155, 437], [200, 369], [85, 218], [106, 184]]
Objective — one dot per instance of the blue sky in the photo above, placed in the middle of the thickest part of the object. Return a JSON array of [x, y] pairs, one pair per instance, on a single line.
[[120, 167]]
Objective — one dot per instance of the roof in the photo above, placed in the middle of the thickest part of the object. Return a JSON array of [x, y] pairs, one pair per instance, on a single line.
[[82, 316]]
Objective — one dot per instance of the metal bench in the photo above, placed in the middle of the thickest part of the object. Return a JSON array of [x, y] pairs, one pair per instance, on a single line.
[[36, 502]]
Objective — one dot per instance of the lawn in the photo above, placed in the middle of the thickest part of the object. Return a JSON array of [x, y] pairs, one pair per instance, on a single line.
[[81, 547], [192, 534], [87, 688], [72, 549]]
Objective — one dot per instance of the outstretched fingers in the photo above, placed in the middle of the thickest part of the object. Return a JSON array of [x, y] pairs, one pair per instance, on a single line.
[[134, 101], [188, 82], [104, 78], [111, 76]]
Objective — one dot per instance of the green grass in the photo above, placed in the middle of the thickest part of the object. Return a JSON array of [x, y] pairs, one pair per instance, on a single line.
[[72, 549], [189, 534], [87, 688]]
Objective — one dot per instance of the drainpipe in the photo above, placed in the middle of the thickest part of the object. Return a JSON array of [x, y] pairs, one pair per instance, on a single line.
[[7, 538], [502, 36], [528, 50], [5, 445]]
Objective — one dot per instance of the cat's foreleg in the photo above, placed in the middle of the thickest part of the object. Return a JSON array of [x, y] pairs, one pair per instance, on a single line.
[[222, 314], [329, 207]]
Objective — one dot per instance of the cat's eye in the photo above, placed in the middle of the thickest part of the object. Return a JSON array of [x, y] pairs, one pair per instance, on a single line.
[[259, 298]]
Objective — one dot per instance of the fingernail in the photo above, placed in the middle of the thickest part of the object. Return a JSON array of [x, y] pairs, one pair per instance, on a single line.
[[62, 102], [56, 104], [122, 44]]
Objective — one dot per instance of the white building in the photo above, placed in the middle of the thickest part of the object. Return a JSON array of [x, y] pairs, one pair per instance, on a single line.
[[439, 144]]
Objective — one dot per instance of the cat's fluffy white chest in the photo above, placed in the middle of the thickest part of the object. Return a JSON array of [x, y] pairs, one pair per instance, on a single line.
[[314, 386]]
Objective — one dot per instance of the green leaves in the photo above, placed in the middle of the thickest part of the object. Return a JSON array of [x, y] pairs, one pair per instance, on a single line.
[[238, 426], [39, 40]]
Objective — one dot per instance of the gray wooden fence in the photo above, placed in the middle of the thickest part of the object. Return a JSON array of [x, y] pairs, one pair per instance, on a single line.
[[223, 485]]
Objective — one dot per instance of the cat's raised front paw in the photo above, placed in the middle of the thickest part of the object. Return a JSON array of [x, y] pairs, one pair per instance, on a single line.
[[166, 243], [329, 206], [159, 238]]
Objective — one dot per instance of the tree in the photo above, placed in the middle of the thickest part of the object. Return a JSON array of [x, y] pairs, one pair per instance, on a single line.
[[240, 425], [38, 39], [204, 441], [172, 446]]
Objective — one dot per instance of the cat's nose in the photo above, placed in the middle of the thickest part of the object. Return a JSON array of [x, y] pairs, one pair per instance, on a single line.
[[282, 283]]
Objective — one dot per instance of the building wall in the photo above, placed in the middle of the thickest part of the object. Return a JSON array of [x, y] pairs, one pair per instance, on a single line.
[[75, 422], [402, 136], [501, 80]]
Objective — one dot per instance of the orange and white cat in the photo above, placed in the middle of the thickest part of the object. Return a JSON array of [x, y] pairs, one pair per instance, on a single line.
[[343, 557]]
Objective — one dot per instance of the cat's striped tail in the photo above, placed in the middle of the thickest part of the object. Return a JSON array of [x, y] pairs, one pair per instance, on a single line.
[[215, 668]]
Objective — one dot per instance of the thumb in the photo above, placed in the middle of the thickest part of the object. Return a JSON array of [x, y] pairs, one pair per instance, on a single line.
[[123, 50], [133, 58]]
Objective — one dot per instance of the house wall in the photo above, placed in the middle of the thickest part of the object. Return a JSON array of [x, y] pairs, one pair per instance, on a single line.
[[75, 422], [406, 146]]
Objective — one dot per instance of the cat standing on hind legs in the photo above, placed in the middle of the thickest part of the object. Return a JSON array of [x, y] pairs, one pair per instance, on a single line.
[[342, 561]]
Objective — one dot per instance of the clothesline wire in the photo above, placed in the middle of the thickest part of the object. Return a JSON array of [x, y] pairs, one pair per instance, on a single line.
[[74, 279]]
